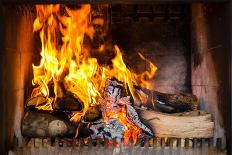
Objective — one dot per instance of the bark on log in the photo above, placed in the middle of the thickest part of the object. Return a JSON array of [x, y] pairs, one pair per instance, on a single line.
[[195, 124], [169, 103], [179, 102]]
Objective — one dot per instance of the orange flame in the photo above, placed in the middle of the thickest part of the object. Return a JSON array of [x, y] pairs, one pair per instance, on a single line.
[[65, 58]]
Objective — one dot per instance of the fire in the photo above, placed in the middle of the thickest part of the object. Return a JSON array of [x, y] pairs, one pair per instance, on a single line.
[[132, 131], [65, 58]]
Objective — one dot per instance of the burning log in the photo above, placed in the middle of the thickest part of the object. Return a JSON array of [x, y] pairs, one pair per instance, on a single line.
[[59, 89], [36, 101], [115, 102], [120, 117], [65, 100], [195, 124], [168, 103], [132, 114], [39, 103], [68, 103], [42, 125], [93, 114], [59, 99]]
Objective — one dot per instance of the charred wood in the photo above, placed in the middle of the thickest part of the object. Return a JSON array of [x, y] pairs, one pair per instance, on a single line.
[[65, 100], [59, 89], [168, 103], [84, 131], [180, 102], [115, 99], [93, 114], [68, 103]]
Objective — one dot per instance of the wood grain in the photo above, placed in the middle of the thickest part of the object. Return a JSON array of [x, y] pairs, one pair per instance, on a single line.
[[196, 124]]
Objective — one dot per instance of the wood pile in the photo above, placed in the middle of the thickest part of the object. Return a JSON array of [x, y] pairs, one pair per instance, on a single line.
[[157, 114]]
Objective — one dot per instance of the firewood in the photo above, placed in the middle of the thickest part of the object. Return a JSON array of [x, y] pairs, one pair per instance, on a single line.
[[93, 114], [169, 103], [68, 103], [59, 89], [194, 124], [65, 100], [114, 100], [180, 102], [36, 101], [84, 131], [41, 125]]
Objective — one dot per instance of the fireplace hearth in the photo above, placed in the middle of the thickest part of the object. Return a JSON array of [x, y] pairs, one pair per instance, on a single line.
[[115, 78]]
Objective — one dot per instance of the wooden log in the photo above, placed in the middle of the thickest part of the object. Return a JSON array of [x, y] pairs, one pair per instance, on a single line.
[[59, 99], [42, 125], [36, 101], [169, 103], [68, 103], [65, 100], [179, 102], [114, 101], [93, 114], [195, 124]]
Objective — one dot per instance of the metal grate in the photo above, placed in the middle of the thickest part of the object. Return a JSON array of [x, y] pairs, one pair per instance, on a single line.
[[149, 146]]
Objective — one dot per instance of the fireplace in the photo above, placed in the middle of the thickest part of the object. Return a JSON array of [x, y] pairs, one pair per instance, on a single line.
[[189, 43]]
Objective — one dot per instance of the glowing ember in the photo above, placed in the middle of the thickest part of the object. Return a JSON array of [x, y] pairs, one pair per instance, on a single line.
[[64, 58]]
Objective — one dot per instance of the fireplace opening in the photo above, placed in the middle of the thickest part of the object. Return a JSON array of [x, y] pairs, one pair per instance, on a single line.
[[115, 78]]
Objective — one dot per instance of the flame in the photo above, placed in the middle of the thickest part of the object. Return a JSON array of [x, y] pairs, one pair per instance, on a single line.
[[65, 58]]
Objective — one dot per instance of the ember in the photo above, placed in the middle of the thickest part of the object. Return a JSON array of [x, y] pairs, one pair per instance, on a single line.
[[69, 81]]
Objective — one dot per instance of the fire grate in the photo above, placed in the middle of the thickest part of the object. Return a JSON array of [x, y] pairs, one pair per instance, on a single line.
[[144, 146]]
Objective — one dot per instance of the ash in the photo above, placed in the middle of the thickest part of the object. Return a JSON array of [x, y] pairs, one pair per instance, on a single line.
[[112, 105], [112, 129]]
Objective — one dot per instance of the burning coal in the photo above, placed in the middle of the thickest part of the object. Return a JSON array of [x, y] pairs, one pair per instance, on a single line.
[[68, 79]]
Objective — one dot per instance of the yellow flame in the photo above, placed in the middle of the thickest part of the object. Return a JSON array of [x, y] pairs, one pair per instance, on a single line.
[[65, 58]]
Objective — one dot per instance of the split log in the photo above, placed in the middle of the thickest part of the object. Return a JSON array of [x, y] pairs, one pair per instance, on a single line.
[[42, 125], [195, 124], [169, 103]]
